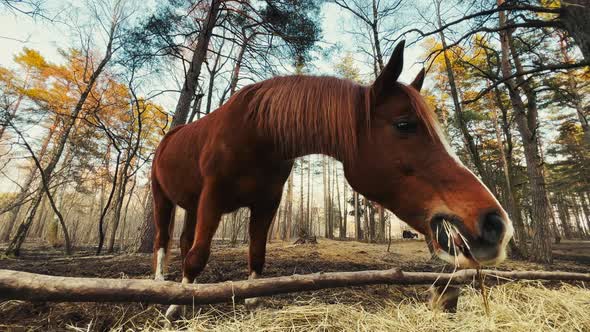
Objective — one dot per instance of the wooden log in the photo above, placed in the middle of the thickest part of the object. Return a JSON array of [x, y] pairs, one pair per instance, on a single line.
[[16, 285]]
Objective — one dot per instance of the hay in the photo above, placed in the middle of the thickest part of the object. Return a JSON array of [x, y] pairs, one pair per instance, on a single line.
[[522, 306]]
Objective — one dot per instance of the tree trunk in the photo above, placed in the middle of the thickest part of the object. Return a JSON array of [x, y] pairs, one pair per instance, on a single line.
[[459, 118], [325, 187], [118, 208], [513, 210], [340, 218], [574, 17], [15, 211], [38, 226], [527, 127], [105, 209], [301, 221], [272, 226], [586, 210], [357, 217], [289, 207], [191, 78], [366, 229], [238, 65], [578, 217], [563, 216], [329, 207], [147, 231], [345, 213], [308, 214], [376, 39], [372, 226], [210, 89], [381, 236], [196, 110], [123, 233]]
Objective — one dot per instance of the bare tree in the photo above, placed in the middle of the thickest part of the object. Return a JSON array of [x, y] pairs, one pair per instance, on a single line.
[[110, 18], [377, 26]]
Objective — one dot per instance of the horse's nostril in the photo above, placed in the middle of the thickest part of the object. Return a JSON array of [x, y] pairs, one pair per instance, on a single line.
[[492, 228]]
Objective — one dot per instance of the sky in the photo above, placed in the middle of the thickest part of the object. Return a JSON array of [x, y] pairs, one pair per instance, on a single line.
[[334, 24], [18, 31]]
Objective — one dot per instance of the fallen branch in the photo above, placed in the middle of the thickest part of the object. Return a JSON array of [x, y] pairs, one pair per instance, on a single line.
[[306, 240], [16, 285]]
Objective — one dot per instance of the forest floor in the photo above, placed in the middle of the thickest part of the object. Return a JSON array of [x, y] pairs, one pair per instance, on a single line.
[[310, 310]]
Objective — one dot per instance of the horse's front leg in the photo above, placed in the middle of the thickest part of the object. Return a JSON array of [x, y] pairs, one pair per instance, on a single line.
[[208, 216], [261, 216], [164, 223]]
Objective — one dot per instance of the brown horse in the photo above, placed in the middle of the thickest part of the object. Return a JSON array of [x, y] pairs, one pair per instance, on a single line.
[[389, 142]]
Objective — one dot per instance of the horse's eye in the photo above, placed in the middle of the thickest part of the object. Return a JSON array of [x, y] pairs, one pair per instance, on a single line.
[[406, 126]]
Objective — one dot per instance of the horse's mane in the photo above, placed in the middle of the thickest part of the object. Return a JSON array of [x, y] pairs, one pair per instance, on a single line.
[[310, 113], [318, 113]]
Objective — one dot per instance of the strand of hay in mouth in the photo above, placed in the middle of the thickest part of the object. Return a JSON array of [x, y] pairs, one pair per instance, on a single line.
[[523, 306], [451, 230], [481, 286]]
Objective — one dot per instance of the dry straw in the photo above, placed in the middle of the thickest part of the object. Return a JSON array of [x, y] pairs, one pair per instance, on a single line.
[[522, 306]]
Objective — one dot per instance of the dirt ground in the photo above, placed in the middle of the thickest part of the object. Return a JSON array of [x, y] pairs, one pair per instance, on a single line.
[[228, 263]]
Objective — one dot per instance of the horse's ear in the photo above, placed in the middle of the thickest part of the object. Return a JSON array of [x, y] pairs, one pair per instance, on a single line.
[[391, 72], [419, 80]]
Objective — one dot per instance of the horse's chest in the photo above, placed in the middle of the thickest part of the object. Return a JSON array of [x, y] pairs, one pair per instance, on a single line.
[[247, 185], [249, 188]]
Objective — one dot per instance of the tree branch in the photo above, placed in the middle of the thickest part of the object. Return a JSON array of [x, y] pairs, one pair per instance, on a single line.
[[486, 13], [532, 71], [15, 285]]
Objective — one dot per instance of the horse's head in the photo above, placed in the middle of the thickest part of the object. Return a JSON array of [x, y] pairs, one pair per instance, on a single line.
[[405, 163]]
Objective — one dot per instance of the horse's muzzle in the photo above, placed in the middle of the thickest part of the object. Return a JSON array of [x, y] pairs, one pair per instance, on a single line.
[[461, 247]]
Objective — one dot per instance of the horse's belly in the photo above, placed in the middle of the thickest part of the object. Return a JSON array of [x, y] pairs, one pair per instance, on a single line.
[[183, 193], [181, 183]]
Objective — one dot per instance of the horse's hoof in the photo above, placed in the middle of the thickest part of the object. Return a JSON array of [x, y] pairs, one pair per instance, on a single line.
[[173, 312], [445, 298], [253, 303], [159, 278]]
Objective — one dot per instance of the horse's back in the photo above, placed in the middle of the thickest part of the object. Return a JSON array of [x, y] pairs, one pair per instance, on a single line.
[[225, 147]]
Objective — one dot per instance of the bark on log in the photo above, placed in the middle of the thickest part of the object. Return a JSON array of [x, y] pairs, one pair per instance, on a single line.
[[16, 285]]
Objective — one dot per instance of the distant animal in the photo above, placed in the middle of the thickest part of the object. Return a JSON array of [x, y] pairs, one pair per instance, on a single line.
[[409, 235], [389, 142]]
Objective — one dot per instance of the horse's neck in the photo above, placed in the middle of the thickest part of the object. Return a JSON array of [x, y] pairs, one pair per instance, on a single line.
[[306, 152], [317, 118], [305, 149]]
